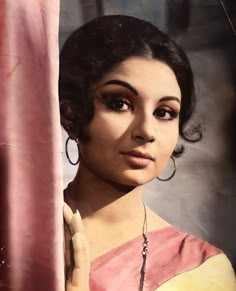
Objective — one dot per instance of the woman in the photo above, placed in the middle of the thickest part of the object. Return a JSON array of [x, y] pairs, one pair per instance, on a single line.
[[126, 94]]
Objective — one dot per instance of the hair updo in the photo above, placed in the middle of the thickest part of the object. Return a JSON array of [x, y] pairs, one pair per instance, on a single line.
[[96, 48]]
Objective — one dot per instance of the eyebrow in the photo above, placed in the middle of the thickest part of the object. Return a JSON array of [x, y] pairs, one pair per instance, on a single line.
[[135, 91], [124, 84], [170, 98]]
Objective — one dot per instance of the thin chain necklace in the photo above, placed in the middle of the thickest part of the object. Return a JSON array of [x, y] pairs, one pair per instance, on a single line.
[[144, 244], [144, 251]]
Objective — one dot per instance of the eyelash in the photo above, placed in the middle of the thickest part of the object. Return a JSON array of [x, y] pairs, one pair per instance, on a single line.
[[113, 104], [173, 114], [118, 101]]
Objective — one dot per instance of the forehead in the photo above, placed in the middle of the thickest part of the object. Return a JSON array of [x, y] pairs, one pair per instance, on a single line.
[[146, 74]]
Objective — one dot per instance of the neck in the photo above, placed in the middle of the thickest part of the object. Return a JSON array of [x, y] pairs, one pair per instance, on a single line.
[[97, 198]]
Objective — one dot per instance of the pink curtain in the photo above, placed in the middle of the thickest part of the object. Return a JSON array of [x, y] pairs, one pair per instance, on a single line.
[[31, 232]]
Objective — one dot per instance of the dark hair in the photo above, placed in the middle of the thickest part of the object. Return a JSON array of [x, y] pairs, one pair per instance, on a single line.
[[96, 48]]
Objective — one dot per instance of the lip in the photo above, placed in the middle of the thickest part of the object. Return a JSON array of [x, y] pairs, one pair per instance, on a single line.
[[137, 159], [139, 154]]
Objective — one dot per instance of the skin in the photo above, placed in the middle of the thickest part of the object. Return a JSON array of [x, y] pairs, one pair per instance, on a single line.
[[136, 108]]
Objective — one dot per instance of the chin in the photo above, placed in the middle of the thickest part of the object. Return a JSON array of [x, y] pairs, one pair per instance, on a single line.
[[136, 181]]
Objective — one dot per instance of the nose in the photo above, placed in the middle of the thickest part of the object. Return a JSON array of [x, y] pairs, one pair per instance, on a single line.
[[144, 129]]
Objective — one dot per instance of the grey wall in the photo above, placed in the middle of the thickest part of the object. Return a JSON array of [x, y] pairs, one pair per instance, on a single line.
[[201, 198]]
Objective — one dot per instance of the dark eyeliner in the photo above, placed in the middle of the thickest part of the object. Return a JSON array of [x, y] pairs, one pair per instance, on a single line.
[[112, 100], [173, 114]]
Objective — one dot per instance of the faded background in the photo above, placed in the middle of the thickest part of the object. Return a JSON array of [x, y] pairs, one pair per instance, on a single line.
[[201, 198]]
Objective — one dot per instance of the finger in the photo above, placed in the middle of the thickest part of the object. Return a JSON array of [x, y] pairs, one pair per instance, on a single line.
[[68, 213], [76, 223], [81, 250], [67, 248], [80, 275], [68, 232], [79, 280]]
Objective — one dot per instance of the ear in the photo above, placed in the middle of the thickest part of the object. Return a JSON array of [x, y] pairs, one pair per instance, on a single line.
[[68, 118]]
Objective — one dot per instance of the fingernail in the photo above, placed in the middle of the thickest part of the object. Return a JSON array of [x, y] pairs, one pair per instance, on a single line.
[[78, 213], [65, 205]]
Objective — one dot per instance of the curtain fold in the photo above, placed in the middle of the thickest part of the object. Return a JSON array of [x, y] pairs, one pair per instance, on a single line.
[[31, 223]]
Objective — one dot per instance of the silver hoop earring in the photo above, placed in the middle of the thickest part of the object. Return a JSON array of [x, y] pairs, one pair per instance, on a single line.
[[67, 152], [172, 175]]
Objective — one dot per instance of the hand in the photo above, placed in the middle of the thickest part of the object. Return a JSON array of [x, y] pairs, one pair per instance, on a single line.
[[77, 256]]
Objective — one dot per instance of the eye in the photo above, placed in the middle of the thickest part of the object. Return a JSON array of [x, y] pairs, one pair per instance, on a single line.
[[118, 105], [165, 114], [116, 101]]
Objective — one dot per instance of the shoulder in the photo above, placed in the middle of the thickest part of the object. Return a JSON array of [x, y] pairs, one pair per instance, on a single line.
[[215, 274], [187, 250], [193, 264], [219, 272]]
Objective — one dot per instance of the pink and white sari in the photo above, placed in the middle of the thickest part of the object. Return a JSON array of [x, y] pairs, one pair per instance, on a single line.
[[177, 261]]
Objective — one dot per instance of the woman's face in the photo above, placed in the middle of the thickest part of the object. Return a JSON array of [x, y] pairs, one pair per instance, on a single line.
[[135, 126]]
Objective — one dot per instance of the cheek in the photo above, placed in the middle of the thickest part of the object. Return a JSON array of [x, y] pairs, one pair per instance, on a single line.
[[107, 128], [173, 139], [166, 145], [168, 137], [103, 139]]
